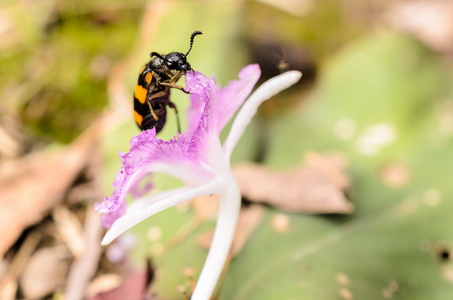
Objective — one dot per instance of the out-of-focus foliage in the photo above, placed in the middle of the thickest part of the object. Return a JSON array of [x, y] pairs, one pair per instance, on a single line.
[[380, 103], [56, 61], [321, 30]]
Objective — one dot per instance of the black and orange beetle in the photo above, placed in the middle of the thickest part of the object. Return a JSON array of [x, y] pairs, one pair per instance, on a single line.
[[152, 92]]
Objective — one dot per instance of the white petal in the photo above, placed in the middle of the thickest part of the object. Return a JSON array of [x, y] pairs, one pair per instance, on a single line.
[[267, 90], [150, 199], [131, 219]]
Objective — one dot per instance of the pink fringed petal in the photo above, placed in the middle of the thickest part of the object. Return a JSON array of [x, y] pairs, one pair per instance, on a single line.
[[234, 94], [202, 90], [108, 218], [224, 101]]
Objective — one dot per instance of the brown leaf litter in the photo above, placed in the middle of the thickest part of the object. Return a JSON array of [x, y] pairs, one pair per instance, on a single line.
[[318, 186]]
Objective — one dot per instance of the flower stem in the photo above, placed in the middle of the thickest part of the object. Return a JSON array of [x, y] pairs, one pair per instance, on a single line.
[[230, 204]]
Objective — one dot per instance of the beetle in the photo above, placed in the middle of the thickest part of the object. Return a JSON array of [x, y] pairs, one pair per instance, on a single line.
[[152, 92]]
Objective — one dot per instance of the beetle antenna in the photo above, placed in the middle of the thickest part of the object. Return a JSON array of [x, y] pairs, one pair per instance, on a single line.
[[192, 36]]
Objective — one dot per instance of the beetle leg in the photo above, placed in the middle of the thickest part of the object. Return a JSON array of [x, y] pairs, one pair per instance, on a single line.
[[174, 86], [175, 77], [156, 95], [152, 111], [172, 105]]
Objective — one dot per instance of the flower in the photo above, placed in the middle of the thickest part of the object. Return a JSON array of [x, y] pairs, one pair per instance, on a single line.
[[198, 159]]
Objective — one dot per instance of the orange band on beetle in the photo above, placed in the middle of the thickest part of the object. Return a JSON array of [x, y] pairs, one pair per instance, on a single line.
[[148, 77], [140, 93], [138, 118]]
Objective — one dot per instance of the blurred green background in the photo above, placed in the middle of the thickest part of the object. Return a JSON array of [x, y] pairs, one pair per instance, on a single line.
[[377, 88]]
